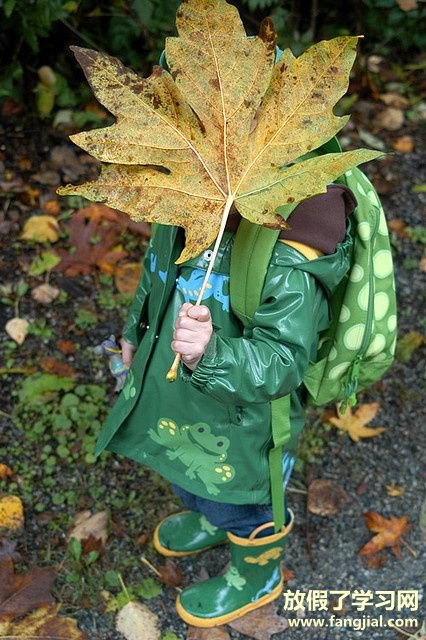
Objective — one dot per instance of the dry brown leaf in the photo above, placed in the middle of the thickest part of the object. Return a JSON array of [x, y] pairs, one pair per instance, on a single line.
[[354, 423], [90, 528], [219, 128], [42, 623], [67, 347], [108, 264], [45, 293], [49, 364], [390, 119], [214, 633], [41, 229], [422, 264], [261, 623], [5, 471], [17, 329], [11, 512], [288, 574], [325, 498], [404, 144], [95, 222], [171, 574], [51, 207], [22, 592], [395, 490], [398, 226], [388, 530], [137, 622], [127, 276]]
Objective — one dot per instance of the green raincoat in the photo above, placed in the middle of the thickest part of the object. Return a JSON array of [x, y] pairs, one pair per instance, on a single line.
[[210, 431]]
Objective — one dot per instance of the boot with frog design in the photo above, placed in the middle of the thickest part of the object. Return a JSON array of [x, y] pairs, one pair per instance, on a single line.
[[185, 533], [253, 579]]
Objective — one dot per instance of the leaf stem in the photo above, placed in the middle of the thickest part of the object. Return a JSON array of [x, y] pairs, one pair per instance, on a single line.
[[172, 372]]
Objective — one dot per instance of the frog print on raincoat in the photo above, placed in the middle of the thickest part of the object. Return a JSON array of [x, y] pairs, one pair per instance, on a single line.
[[198, 449]]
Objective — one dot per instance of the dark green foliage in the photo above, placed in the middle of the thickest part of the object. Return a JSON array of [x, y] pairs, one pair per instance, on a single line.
[[38, 32]]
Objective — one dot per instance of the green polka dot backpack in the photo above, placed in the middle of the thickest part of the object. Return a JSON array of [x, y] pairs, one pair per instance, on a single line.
[[359, 345]]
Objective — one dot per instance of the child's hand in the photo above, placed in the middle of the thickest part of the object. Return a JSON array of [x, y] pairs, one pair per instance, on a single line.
[[193, 330], [127, 351]]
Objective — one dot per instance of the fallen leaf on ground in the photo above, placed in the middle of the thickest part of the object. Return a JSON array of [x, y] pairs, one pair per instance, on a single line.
[[395, 490], [390, 119], [288, 574], [45, 293], [388, 530], [67, 347], [171, 574], [214, 633], [408, 344], [51, 207], [42, 623], [49, 364], [325, 498], [17, 329], [398, 226], [11, 512], [22, 592], [40, 229], [355, 423], [375, 561], [404, 144], [5, 471], [91, 530], [261, 623], [93, 231], [204, 136], [127, 276], [137, 622], [422, 264]]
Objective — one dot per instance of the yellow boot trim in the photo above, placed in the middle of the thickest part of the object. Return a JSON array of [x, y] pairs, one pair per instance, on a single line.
[[169, 553], [252, 541], [233, 615]]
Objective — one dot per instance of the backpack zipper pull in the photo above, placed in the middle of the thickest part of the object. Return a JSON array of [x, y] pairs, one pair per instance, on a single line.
[[349, 397]]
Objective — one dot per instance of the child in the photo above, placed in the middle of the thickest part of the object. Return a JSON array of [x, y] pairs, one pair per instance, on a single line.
[[209, 432]]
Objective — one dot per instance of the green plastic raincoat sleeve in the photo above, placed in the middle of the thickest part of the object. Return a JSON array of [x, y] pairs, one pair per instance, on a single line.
[[130, 330], [271, 357]]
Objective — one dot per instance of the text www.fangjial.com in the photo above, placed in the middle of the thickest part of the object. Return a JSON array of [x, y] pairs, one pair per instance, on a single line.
[[359, 624]]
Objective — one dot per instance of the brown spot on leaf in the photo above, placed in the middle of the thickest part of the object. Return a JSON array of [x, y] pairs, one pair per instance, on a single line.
[[290, 199], [317, 94], [267, 33], [214, 82], [334, 69]]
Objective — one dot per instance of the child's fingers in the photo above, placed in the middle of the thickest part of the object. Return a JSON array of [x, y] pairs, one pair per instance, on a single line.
[[186, 335], [183, 311], [199, 312]]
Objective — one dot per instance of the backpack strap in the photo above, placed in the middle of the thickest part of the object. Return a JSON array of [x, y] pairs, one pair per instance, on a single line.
[[250, 257]]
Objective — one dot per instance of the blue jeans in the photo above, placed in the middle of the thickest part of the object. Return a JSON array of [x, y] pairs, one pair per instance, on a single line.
[[239, 519]]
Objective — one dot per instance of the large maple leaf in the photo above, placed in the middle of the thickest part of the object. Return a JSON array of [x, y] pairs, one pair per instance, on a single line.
[[223, 127]]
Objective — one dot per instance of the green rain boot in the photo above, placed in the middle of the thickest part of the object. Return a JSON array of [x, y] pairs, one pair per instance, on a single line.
[[185, 533], [253, 579]]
